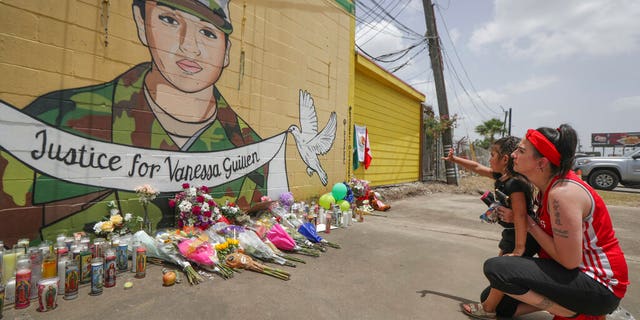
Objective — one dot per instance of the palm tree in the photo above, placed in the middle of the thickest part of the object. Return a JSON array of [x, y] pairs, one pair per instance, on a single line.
[[489, 129]]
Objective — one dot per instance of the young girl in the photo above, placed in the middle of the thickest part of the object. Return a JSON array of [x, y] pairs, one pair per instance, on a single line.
[[515, 241]]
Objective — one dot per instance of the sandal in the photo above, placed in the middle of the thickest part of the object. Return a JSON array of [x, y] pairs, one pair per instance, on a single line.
[[475, 310]]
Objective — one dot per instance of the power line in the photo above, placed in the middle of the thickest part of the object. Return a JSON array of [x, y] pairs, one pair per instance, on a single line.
[[464, 70]]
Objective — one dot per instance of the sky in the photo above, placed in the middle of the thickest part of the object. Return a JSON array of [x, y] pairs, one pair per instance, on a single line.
[[550, 62]]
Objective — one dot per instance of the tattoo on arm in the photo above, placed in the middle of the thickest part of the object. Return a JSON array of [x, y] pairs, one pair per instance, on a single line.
[[560, 233], [556, 211], [544, 304]]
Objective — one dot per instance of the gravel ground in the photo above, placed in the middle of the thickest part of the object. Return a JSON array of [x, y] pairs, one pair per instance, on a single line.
[[467, 185], [476, 185]]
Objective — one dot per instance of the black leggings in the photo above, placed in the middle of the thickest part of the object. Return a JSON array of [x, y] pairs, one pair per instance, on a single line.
[[571, 289]]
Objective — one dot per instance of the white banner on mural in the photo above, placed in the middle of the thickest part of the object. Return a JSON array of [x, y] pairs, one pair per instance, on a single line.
[[76, 159]]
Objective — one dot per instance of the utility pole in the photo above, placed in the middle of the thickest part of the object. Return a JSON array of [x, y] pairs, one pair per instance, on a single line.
[[441, 94], [504, 124], [509, 121]]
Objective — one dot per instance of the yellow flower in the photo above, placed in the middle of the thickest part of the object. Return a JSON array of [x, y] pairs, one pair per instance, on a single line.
[[116, 219], [107, 226]]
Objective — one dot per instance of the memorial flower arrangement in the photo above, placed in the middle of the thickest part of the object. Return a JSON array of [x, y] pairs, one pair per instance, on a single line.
[[230, 211], [195, 206], [239, 260], [115, 223], [146, 194], [163, 248], [360, 188], [286, 200], [233, 214]]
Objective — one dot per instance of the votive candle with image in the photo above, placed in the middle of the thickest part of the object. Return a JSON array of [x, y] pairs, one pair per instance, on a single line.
[[23, 283]]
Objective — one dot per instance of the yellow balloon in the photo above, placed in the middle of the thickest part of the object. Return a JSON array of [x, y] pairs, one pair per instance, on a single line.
[[326, 200], [344, 205]]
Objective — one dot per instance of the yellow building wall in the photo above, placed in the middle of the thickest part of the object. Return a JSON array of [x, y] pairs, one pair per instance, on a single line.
[[277, 49], [391, 110]]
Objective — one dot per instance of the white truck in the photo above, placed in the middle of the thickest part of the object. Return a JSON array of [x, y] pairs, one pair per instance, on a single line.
[[606, 172]]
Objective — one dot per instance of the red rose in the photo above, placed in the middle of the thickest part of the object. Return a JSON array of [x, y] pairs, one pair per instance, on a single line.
[[196, 209], [200, 199], [185, 186], [212, 203], [204, 189], [207, 214], [172, 203]]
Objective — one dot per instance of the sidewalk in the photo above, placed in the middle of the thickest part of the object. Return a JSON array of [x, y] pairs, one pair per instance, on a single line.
[[418, 262]]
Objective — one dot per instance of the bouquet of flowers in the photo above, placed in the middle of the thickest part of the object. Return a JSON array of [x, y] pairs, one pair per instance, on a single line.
[[195, 206], [230, 211], [359, 187], [309, 231], [283, 241], [223, 249], [115, 223], [254, 247], [239, 260], [286, 200], [165, 250], [146, 194]]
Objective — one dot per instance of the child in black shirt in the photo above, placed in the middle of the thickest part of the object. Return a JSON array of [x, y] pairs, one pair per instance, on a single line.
[[515, 239]]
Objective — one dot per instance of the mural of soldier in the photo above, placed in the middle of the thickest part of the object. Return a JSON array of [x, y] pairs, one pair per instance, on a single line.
[[169, 104]]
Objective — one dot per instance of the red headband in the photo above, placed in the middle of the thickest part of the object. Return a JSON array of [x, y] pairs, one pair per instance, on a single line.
[[544, 146]]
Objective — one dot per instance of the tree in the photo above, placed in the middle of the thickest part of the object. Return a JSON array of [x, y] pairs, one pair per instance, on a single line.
[[488, 130]]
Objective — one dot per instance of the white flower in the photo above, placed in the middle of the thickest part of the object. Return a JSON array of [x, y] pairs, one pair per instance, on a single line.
[[97, 227], [127, 216], [191, 192], [207, 196], [185, 206], [114, 211], [216, 210], [205, 207]]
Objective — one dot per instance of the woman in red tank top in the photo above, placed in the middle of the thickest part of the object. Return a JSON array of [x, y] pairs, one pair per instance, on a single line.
[[581, 271]]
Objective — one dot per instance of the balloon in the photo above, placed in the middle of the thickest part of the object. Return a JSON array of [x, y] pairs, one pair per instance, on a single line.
[[326, 201], [339, 191], [344, 205]]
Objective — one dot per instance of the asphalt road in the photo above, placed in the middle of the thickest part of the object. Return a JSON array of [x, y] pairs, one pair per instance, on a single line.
[[418, 261]]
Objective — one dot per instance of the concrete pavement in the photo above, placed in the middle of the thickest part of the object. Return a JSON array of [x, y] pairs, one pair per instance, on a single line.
[[418, 262]]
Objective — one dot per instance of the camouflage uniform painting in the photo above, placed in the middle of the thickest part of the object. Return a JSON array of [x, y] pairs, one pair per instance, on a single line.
[[117, 112]]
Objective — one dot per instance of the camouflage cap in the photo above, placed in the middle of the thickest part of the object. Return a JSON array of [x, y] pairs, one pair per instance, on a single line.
[[214, 11]]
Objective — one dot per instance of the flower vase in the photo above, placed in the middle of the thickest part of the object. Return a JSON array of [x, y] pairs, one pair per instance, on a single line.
[[146, 224]]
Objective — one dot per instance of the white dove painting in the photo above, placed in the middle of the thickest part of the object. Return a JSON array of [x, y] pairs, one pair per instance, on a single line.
[[309, 141]]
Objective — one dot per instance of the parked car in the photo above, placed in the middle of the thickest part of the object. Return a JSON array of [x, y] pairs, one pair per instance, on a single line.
[[606, 173]]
